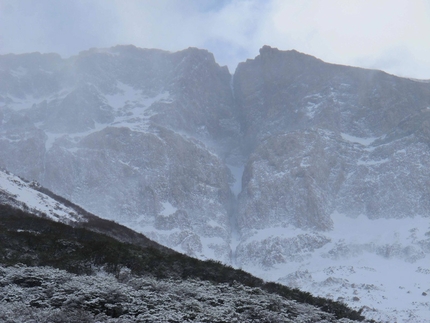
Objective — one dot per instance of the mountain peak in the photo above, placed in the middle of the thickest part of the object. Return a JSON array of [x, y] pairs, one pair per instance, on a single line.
[[199, 53], [268, 50]]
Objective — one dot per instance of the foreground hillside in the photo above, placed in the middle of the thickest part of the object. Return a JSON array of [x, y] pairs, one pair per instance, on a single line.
[[46, 294], [62, 273]]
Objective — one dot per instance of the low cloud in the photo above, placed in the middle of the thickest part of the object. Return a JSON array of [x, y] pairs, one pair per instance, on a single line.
[[384, 34]]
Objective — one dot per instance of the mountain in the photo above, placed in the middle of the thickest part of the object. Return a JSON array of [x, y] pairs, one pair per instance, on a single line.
[[120, 134], [335, 190], [296, 170], [66, 265]]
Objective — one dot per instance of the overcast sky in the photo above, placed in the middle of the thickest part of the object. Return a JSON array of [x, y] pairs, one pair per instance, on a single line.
[[392, 35]]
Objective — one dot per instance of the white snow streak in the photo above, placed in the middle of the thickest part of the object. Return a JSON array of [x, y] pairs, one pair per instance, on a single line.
[[35, 200], [358, 140], [237, 172]]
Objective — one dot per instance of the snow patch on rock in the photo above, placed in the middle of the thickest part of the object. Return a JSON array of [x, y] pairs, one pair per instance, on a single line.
[[362, 141], [168, 209]]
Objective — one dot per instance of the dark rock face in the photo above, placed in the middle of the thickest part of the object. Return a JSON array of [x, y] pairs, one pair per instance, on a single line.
[[321, 134], [336, 178], [281, 91], [291, 179]]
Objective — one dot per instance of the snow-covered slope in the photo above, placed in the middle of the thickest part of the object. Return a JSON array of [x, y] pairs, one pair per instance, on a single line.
[[380, 264], [19, 193]]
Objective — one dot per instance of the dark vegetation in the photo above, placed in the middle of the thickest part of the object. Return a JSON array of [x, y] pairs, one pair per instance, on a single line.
[[83, 249]]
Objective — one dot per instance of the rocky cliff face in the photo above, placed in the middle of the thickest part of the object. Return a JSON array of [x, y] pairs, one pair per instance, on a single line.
[[328, 138], [279, 91], [156, 140], [121, 132], [337, 157]]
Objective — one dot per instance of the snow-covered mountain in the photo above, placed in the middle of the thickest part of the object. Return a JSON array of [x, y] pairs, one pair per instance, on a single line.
[[335, 195], [293, 169], [118, 134]]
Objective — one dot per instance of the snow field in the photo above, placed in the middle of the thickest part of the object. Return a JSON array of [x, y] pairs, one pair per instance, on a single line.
[[380, 265]]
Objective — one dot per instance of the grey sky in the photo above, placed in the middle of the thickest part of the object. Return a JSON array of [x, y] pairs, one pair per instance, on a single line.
[[392, 35]]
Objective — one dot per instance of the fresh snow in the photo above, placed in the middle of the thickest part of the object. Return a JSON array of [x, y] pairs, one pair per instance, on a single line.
[[236, 188], [258, 235], [210, 246], [19, 72], [372, 162], [149, 230], [36, 201], [237, 172], [130, 109], [127, 94], [76, 137], [51, 138], [213, 224], [97, 127], [131, 106], [19, 104], [362, 141], [419, 80], [65, 297], [372, 263], [311, 109], [168, 209]]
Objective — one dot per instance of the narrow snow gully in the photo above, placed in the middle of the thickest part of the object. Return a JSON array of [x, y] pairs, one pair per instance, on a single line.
[[236, 165], [236, 188], [232, 86]]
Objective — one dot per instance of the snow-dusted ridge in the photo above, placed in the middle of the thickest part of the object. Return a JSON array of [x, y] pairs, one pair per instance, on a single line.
[[19, 193]]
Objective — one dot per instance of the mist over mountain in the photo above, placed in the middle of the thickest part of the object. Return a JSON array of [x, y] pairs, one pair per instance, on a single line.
[[313, 174]]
